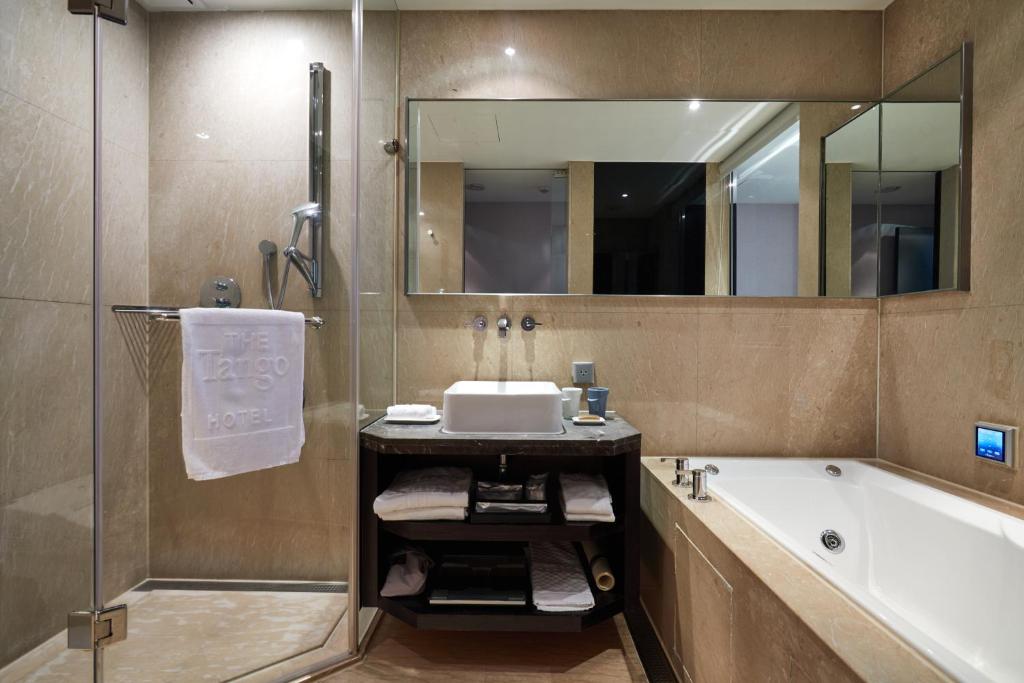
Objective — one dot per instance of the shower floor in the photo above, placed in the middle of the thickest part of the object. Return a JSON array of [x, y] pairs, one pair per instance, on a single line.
[[202, 635]]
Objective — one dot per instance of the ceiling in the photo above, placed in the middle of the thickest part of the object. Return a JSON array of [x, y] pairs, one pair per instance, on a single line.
[[918, 136], [413, 5], [549, 134]]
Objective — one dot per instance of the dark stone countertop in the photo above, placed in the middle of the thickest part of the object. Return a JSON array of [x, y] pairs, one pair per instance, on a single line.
[[614, 438]]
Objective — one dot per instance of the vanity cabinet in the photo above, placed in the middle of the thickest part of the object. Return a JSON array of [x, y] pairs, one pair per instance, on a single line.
[[612, 450]]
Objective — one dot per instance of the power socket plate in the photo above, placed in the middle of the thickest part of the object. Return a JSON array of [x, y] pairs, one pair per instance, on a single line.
[[583, 372]]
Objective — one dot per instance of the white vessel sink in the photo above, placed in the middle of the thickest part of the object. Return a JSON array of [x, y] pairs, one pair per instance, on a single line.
[[502, 408]]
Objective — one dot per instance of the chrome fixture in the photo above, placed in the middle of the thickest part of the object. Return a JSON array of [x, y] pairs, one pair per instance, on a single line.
[[711, 469], [833, 541], [392, 146], [700, 486], [682, 472], [114, 10], [478, 323], [165, 313], [529, 324], [309, 265], [504, 325], [220, 291], [833, 471]]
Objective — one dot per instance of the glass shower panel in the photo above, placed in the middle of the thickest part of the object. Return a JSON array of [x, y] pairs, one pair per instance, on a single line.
[[46, 368], [207, 155], [376, 201]]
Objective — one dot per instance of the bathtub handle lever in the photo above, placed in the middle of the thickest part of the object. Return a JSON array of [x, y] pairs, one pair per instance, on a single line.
[[711, 469]]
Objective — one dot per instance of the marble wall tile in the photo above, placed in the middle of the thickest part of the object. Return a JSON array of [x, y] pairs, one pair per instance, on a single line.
[[45, 469], [815, 373], [790, 55], [47, 58], [948, 359], [249, 95], [125, 82], [46, 215], [558, 54]]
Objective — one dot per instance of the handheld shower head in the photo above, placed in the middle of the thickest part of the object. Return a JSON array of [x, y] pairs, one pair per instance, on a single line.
[[267, 248]]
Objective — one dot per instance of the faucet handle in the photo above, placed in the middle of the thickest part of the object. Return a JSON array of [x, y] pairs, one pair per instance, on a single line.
[[478, 323], [700, 485], [529, 323], [682, 472]]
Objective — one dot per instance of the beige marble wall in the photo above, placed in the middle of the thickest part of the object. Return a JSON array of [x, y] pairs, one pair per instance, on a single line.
[[695, 375], [228, 146], [949, 359], [440, 227], [45, 315], [767, 376], [580, 242]]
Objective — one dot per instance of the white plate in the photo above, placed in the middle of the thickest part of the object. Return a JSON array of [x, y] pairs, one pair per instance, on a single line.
[[413, 420]]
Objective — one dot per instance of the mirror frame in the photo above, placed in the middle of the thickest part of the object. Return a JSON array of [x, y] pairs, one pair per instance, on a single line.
[[963, 273]]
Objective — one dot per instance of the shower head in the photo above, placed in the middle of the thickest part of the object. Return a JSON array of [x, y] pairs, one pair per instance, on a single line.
[[267, 248], [306, 210]]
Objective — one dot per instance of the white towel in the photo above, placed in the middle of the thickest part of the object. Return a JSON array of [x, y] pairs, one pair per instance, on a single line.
[[431, 487], [586, 494], [557, 579], [424, 513], [412, 411], [241, 390]]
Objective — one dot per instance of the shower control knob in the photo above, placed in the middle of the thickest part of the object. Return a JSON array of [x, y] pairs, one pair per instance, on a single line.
[[529, 324], [221, 285], [682, 472], [478, 323]]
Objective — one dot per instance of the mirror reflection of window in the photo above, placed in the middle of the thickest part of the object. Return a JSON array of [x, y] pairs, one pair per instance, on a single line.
[[649, 229], [766, 213], [515, 224]]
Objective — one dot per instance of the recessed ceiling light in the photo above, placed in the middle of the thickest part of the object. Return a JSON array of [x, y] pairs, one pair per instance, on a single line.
[[423, 213], [694, 105], [855, 107], [510, 51], [203, 135], [625, 195]]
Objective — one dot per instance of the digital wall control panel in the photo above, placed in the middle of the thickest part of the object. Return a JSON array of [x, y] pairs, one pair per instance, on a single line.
[[995, 443]]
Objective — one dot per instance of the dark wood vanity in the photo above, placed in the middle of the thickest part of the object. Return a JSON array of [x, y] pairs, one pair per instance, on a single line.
[[612, 450]]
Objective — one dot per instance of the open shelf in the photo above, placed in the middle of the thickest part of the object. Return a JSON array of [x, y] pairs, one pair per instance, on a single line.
[[418, 612], [557, 530]]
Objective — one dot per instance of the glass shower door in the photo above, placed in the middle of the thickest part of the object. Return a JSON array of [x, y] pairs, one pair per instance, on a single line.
[[46, 331]]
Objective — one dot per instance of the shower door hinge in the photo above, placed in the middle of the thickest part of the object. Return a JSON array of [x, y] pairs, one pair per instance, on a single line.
[[88, 630], [114, 10]]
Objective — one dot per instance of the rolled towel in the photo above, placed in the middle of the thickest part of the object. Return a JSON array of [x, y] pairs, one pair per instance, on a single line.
[[414, 411], [586, 494], [431, 487]]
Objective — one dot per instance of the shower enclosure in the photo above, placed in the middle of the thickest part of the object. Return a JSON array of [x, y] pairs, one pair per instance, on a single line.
[[147, 148]]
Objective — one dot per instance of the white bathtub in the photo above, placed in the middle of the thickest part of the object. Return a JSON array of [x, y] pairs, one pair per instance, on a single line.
[[946, 574]]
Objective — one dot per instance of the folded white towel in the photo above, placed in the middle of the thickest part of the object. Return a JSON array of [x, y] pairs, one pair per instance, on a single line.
[[585, 517], [241, 390], [412, 411], [432, 487], [586, 494], [557, 579], [424, 513]]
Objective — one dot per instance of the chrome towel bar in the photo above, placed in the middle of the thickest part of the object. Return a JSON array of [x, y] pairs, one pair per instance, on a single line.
[[172, 314]]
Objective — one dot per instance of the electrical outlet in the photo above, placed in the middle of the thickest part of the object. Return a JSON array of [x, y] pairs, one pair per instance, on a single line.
[[583, 372]]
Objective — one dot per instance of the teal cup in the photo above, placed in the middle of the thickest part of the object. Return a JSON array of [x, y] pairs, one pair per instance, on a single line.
[[597, 400]]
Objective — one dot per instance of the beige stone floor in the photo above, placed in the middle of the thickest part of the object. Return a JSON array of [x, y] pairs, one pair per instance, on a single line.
[[185, 635], [601, 654]]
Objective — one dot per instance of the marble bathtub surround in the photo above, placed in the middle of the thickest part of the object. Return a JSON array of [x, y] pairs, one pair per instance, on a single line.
[[782, 620]]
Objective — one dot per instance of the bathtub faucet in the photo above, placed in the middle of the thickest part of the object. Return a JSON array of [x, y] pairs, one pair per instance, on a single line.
[[700, 485]]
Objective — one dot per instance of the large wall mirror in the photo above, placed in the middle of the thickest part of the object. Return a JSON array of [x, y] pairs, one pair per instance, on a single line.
[[894, 215], [674, 197]]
